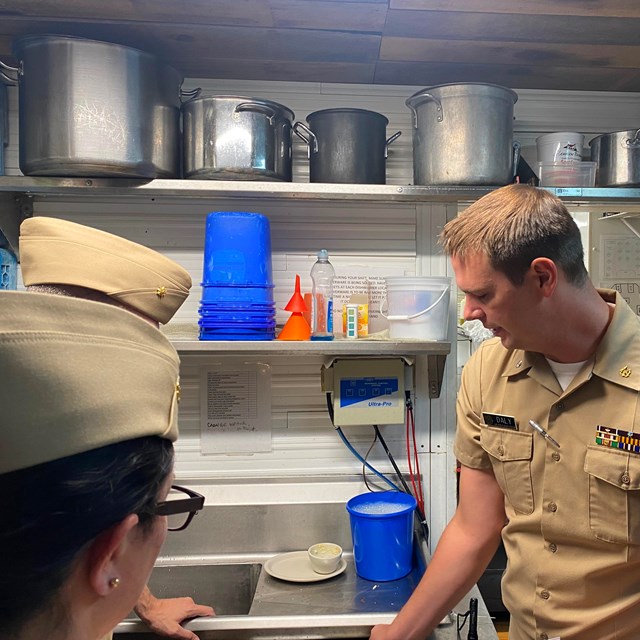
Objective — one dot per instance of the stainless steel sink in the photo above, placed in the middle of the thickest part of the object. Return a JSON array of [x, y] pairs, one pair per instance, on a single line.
[[228, 587], [219, 560]]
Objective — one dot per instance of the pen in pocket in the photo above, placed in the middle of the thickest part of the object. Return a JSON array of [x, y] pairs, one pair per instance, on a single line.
[[543, 433]]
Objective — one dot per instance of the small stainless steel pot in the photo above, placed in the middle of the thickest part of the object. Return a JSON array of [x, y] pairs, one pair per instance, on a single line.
[[237, 138], [90, 108], [618, 158], [347, 146]]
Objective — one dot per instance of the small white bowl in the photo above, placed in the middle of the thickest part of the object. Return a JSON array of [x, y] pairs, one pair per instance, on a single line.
[[325, 557]]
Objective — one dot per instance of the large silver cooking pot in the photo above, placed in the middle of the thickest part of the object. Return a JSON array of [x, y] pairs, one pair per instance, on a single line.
[[346, 145], [463, 135], [618, 158], [90, 108], [237, 138]]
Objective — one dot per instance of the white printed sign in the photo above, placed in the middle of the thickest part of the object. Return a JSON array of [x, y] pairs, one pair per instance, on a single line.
[[235, 403]]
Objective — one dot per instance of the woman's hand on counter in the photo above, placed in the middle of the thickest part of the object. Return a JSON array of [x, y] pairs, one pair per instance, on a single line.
[[164, 616]]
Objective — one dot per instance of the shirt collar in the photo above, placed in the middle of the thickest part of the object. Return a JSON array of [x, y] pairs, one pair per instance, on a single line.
[[617, 357]]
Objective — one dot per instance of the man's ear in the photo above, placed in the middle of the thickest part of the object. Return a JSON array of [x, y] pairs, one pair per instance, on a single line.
[[545, 274], [105, 554]]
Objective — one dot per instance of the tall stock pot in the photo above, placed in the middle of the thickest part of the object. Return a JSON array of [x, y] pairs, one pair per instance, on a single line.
[[91, 108], [463, 135]]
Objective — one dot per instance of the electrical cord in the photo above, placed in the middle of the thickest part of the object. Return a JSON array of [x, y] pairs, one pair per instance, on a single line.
[[353, 451], [366, 457], [419, 509], [411, 439]]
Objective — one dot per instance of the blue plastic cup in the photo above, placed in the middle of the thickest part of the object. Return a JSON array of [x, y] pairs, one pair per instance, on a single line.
[[237, 249], [382, 534]]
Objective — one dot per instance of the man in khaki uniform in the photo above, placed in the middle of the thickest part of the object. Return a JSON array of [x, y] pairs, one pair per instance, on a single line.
[[62, 257], [548, 433]]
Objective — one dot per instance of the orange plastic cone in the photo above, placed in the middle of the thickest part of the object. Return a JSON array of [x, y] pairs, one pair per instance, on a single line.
[[297, 327]]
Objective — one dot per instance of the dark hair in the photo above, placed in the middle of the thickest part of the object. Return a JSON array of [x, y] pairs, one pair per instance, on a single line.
[[48, 513]]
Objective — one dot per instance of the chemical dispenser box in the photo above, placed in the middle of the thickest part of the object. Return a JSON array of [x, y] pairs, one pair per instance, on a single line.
[[366, 391]]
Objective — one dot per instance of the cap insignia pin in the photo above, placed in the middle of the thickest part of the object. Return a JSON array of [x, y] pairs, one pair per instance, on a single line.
[[625, 372], [161, 292]]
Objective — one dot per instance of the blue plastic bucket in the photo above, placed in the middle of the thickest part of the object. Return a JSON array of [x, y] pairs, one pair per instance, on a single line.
[[237, 249], [220, 294], [382, 534], [231, 333]]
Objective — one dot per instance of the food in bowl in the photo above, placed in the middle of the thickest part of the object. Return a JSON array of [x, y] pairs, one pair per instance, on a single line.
[[325, 557]]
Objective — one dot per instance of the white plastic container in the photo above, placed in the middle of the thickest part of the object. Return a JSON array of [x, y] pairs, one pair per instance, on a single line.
[[565, 146], [417, 307]]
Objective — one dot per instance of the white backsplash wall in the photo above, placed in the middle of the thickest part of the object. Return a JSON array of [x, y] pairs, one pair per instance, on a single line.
[[358, 236]]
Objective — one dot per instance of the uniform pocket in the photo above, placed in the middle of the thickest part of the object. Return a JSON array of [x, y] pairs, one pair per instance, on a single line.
[[614, 494], [511, 453]]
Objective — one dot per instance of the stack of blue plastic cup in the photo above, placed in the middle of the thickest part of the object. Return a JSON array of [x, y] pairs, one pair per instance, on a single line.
[[237, 283]]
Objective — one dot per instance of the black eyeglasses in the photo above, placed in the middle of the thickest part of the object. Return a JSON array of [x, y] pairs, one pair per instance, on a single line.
[[178, 509]]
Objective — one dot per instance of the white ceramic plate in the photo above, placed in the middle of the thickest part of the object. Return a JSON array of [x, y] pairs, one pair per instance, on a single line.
[[296, 567]]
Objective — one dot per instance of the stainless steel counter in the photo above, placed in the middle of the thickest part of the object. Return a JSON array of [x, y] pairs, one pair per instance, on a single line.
[[219, 560]]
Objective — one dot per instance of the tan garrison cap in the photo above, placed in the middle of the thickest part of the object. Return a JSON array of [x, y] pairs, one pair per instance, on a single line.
[[77, 375], [54, 251]]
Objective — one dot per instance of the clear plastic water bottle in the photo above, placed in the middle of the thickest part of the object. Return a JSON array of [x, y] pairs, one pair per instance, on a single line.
[[322, 275]]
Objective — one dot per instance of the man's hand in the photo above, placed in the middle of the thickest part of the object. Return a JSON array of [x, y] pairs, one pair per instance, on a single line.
[[164, 616]]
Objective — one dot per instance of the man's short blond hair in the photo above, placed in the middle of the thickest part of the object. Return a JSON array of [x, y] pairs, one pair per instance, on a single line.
[[513, 226]]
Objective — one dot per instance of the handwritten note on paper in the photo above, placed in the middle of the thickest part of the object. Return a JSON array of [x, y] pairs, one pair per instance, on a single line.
[[236, 408]]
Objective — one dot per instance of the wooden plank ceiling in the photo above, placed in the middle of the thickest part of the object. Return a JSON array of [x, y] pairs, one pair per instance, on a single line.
[[527, 44]]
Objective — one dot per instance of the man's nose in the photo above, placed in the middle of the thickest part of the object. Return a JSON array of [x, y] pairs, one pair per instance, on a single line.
[[472, 311]]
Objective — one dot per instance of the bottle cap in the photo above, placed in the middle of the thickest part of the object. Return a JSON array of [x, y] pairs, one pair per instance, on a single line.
[[323, 254]]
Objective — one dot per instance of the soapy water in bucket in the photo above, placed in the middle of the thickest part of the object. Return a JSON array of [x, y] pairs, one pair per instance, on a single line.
[[418, 307], [379, 508]]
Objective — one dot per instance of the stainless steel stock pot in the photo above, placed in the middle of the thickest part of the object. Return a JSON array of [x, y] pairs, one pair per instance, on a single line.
[[618, 158], [463, 135], [237, 138], [90, 108]]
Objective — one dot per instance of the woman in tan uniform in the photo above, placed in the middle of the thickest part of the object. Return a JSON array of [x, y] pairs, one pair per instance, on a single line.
[[65, 258], [88, 397]]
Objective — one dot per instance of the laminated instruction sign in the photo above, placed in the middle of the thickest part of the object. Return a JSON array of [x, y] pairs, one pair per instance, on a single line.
[[235, 408]]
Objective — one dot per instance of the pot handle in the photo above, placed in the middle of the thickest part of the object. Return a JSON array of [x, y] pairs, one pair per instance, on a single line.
[[257, 107], [427, 97], [192, 94], [17, 70], [311, 148], [634, 142], [516, 156], [393, 138]]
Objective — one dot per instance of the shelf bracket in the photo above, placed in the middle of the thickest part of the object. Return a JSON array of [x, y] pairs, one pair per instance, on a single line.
[[14, 208], [435, 371], [631, 228]]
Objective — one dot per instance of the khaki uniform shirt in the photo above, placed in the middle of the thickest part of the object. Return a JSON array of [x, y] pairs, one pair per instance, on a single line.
[[573, 532]]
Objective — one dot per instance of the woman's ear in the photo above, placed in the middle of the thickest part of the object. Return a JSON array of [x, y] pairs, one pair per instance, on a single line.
[[545, 274], [105, 554]]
